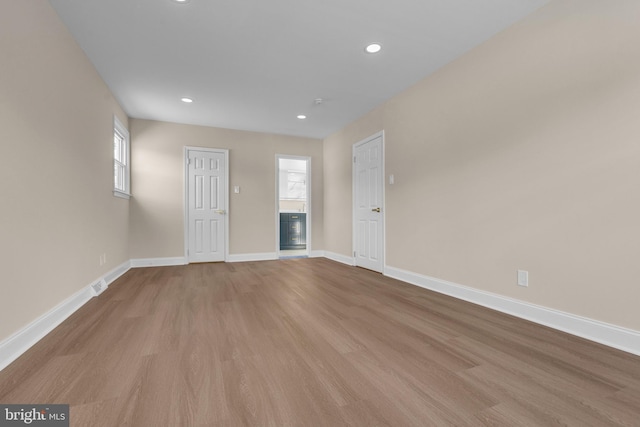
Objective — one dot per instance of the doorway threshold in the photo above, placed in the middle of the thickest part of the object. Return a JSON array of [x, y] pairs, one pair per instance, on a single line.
[[293, 253]]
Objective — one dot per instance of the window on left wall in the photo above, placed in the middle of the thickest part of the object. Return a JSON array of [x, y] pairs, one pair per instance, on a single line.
[[121, 163]]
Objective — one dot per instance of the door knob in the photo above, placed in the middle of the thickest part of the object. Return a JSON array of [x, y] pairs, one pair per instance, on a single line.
[[220, 211], [375, 210]]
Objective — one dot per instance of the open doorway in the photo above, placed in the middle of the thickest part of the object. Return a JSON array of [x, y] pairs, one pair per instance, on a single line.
[[293, 192]]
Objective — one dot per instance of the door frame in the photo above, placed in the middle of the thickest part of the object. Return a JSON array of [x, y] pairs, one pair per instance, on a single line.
[[309, 201], [354, 227], [185, 166]]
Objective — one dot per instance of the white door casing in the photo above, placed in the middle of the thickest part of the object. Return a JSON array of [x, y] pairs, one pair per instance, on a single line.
[[368, 203], [206, 205]]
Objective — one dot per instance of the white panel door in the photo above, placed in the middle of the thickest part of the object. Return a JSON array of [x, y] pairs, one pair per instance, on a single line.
[[206, 206], [368, 182]]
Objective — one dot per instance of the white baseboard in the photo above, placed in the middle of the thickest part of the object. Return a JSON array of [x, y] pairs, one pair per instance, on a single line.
[[611, 335], [157, 262], [114, 274], [265, 256], [340, 258], [15, 345], [317, 254]]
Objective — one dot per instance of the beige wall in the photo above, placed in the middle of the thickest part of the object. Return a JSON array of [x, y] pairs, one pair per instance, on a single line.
[[523, 154], [157, 209], [58, 213]]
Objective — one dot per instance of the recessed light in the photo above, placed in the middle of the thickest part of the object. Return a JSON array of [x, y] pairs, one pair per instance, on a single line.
[[181, 1], [302, 116], [373, 48], [186, 100]]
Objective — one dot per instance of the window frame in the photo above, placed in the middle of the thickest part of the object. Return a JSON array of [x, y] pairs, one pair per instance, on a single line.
[[120, 130]]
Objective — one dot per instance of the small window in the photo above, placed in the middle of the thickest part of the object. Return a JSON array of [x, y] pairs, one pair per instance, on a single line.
[[121, 164]]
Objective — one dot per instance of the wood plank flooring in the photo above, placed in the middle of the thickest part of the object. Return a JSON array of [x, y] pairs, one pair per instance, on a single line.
[[310, 342]]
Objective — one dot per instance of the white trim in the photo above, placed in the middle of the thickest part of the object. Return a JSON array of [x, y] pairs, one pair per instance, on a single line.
[[604, 333], [114, 274], [265, 256], [317, 254], [340, 258], [354, 237], [158, 262], [15, 345], [120, 194], [185, 166]]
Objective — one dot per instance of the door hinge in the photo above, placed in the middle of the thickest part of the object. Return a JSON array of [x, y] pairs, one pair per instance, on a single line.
[[188, 161], [354, 254], [354, 159]]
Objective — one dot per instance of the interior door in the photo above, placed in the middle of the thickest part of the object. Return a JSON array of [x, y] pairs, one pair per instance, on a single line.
[[368, 204], [206, 205]]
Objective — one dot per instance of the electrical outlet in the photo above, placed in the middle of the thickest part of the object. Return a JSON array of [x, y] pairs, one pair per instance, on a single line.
[[523, 278]]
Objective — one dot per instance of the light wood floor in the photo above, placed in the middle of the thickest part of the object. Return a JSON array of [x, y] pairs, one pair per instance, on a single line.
[[309, 342]]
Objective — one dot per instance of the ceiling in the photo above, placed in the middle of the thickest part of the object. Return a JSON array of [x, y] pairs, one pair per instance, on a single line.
[[257, 64]]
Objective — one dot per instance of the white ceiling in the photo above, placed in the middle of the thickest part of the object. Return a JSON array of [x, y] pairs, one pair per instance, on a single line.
[[256, 64]]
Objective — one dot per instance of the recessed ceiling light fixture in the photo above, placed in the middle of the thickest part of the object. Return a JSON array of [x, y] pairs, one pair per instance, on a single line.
[[373, 48], [181, 1], [302, 116], [186, 100]]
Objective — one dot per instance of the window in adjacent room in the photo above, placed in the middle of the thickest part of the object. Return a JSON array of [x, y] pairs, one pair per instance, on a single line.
[[121, 164]]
